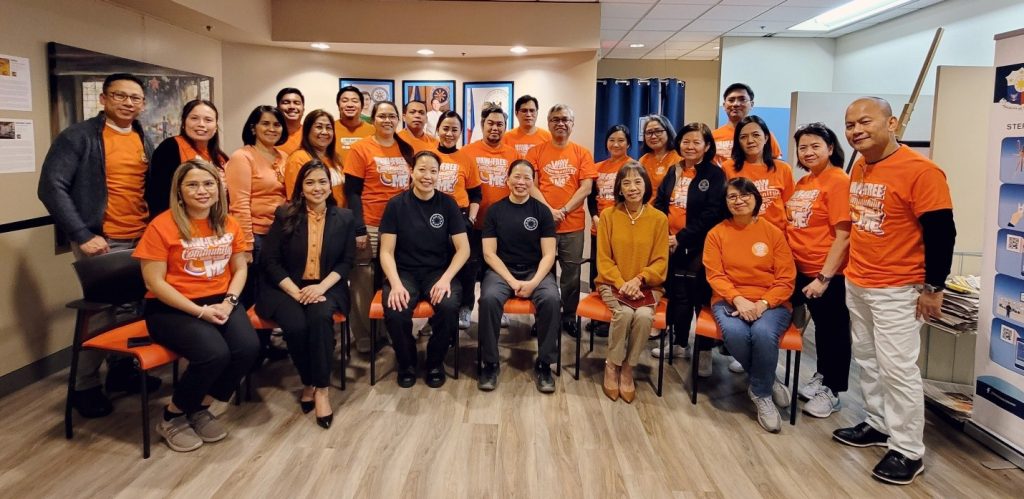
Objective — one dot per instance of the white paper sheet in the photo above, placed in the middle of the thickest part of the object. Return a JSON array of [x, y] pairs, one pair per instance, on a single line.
[[15, 83], [17, 146]]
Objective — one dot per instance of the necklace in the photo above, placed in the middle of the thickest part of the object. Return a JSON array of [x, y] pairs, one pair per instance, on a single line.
[[632, 219]]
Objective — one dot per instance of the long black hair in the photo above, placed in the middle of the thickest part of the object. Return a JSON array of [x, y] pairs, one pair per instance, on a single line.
[[837, 158], [307, 126], [217, 156], [249, 129], [295, 212], [738, 156]]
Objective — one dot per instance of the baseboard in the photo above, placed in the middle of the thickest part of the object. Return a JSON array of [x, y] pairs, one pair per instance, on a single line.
[[46, 366], [993, 442]]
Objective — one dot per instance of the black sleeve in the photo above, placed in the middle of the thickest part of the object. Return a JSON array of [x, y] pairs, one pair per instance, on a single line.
[[476, 194], [165, 161], [491, 221], [56, 177], [662, 197], [592, 202], [272, 260], [939, 232], [389, 220], [457, 223], [354, 199], [348, 257], [547, 222], [697, 227]]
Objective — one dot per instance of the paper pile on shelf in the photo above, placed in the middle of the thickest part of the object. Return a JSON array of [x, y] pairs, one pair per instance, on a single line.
[[960, 303]]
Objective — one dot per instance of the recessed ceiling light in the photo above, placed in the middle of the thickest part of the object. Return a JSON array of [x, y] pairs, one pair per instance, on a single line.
[[425, 52], [636, 45], [846, 14], [518, 49], [320, 46]]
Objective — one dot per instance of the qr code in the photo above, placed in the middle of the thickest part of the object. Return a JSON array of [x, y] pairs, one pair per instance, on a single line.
[[1007, 334], [1013, 243]]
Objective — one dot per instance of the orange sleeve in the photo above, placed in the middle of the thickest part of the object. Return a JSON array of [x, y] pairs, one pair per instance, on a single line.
[[355, 162], [776, 150], [930, 192], [785, 271], [715, 267], [837, 200], [588, 170], [606, 267], [291, 171], [657, 270], [152, 245], [788, 184], [238, 170], [534, 158], [231, 225]]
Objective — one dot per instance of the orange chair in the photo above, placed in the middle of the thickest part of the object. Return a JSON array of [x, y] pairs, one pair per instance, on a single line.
[[107, 281], [339, 318], [593, 307], [791, 341], [423, 310], [521, 306]]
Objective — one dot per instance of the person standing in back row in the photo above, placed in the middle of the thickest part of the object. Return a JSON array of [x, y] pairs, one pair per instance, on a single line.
[[737, 101], [527, 135]]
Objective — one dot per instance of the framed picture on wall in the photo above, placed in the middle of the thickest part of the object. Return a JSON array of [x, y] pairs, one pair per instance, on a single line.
[[478, 95], [374, 91], [439, 95]]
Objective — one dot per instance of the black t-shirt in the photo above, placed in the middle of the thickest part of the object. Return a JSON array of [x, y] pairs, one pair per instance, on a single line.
[[423, 229], [519, 229]]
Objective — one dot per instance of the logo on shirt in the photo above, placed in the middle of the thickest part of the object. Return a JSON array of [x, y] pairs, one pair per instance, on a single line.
[[346, 142], [559, 172], [681, 192], [447, 177], [393, 172], [759, 249], [493, 171], [436, 220], [207, 256], [522, 149], [530, 224], [768, 192], [704, 185], [723, 148], [867, 207], [606, 186], [799, 207]]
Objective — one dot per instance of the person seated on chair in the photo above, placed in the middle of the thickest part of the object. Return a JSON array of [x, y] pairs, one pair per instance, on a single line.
[[416, 258], [632, 262], [306, 260], [194, 264], [751, 272], [519, 247]]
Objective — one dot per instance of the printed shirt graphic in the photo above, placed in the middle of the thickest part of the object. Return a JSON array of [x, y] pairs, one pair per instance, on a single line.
[[384, 172], [817, 205], [677, 203], [522, 142], [656, 169], [604, 184], [775, 186], [559, 174], [886, 199], [197, 267], [456, 174], [723, 136], [492, 167], [346, 138]]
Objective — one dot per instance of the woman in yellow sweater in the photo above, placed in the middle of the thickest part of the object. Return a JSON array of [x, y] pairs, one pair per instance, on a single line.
[[632, 263]]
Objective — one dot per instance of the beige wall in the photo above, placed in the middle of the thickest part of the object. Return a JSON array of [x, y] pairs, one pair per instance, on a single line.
[[701, 79], [37, 284]]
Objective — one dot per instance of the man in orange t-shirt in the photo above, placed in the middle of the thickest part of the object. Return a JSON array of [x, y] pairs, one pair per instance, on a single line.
[[565, 177], [292, 104], [527, 135], [737, 101], [415, 132], [492, 158], [901, 250], [92, 183], [349, 128]]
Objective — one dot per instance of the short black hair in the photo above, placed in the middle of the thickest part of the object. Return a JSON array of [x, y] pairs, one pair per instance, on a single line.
[[527, 98], [249, 129], [617, 128], [636, 167], [520, 162], [738, 86], [837, 158], [405, 107], [745, 186], [424, 153], [706, 135], [490, 109], [739, 157], [350, 88], [122, 76], [289, 90]]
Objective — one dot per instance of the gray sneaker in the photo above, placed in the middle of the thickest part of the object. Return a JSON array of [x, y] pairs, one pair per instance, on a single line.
[[179, 435], [809, 390], [704, 364], [781, 394], [767, 413], [545, 382], [504, 321], [465, 315], [207, 427], [822, 404], [735, 366]]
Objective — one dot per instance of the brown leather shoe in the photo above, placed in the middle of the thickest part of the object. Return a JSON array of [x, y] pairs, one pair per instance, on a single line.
[[611, 381], [627, 389]]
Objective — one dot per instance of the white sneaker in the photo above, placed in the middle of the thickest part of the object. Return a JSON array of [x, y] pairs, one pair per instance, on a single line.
[[426, 330], [704, 364], [677, 351], [504, 321], [735, 366], [465, 314], [767, 413], [822, 404], [781, 394], [808, 391]]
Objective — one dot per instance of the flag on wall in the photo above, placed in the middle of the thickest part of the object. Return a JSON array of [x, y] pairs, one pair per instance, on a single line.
[[470, 119]]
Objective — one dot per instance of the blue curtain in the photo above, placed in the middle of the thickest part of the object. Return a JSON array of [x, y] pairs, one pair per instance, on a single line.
[[624, 102]]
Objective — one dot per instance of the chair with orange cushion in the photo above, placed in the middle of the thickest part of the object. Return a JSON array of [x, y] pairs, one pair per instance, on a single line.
[[108, 281], [791, 341], [521, 306], [593, 307], [423, 310], [339, 318]]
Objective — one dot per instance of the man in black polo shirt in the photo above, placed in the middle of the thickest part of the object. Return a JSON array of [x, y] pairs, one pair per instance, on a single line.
[[519, 246]]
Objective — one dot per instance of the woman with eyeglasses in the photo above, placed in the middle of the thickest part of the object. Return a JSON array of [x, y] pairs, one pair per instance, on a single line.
[[658, 148], [819, 235], [376, 170], [317, 143], [751, 273], [193, 259], [198, 137], [752, 159]]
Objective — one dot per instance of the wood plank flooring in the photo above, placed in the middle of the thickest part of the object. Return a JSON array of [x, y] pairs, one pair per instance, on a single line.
[[459, 442]]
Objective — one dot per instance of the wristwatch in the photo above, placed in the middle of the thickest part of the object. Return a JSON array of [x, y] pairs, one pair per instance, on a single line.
[[928, 288], [823, 278], [232, 299], [762, 300]]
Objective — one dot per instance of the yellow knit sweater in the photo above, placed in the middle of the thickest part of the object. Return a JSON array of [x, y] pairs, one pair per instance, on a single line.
[[626, 250]]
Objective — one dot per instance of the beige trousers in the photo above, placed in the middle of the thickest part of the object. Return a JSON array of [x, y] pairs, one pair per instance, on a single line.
[[361, 286], [629, 330]]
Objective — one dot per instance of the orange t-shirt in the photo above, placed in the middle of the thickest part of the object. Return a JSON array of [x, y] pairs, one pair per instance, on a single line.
[[560, 171], [753, 262], [255, 189], [658, 169], [492, 167], [817, 205], [456, 175], [301, 157], [678, 199], [522, 143], [198, 267], [886, 199], [604, 184], [294, 142], [424, 143], [723, 136], [346, 137], [126, 165], [775, 186], [385, 174]]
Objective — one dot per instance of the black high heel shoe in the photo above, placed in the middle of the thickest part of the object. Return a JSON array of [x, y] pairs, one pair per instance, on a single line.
[[307, 406], [325, 422]]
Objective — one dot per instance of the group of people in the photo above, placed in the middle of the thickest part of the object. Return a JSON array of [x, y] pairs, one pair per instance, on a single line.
[[314, 214]]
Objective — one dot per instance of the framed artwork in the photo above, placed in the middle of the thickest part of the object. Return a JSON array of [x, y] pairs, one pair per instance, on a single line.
[[374, 91], [480, 94], [438, 94]]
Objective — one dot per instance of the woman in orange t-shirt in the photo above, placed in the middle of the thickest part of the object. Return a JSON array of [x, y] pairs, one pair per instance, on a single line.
[[819, 234], [317, 142], [659, 148], [193, 262], [752, 158], [751, 272], [198, 138]]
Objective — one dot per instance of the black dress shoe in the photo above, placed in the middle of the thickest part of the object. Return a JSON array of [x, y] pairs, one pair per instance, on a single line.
[[325, 421], [306, 405], [123, 376], [435, 377], [488, 377], [897, 469], [570, 328], [91, 403], [406, 378], [862, 435], [275, 353], [601, 330]]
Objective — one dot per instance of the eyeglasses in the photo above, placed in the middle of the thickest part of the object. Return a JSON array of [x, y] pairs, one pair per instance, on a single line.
[[387, 117], [732, 198], [737, 100], [560, 120], [207, 186], [654, 133], [121, 96]]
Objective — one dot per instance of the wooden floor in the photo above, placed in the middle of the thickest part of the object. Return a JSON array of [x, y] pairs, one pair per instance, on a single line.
[[459, 442]]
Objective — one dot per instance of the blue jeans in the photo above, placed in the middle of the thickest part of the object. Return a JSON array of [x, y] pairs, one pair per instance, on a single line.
[[754, 344]]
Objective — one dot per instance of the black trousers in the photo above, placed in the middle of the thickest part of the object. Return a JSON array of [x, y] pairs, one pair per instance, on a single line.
[[444, 323], [495, 291], [469, 274], [218, 356], [688, 291], [309, 332], [831, 330]]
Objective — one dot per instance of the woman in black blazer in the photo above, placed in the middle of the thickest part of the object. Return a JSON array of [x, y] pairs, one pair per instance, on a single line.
[[306, 260], [691, 195]]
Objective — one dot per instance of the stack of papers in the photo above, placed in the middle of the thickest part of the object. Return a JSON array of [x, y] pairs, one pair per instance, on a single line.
[[960, 303]]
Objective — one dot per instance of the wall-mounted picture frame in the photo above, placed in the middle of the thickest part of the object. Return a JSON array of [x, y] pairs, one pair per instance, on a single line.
[[476, 96], [373, 90], [439, 95]]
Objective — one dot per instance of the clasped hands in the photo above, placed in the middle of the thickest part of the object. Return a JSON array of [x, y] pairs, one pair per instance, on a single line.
[[632, 288], [398, 298], [748, 310], [314, 293]]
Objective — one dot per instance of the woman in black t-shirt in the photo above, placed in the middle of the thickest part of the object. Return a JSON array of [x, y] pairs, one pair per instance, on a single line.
[[416, 258]]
